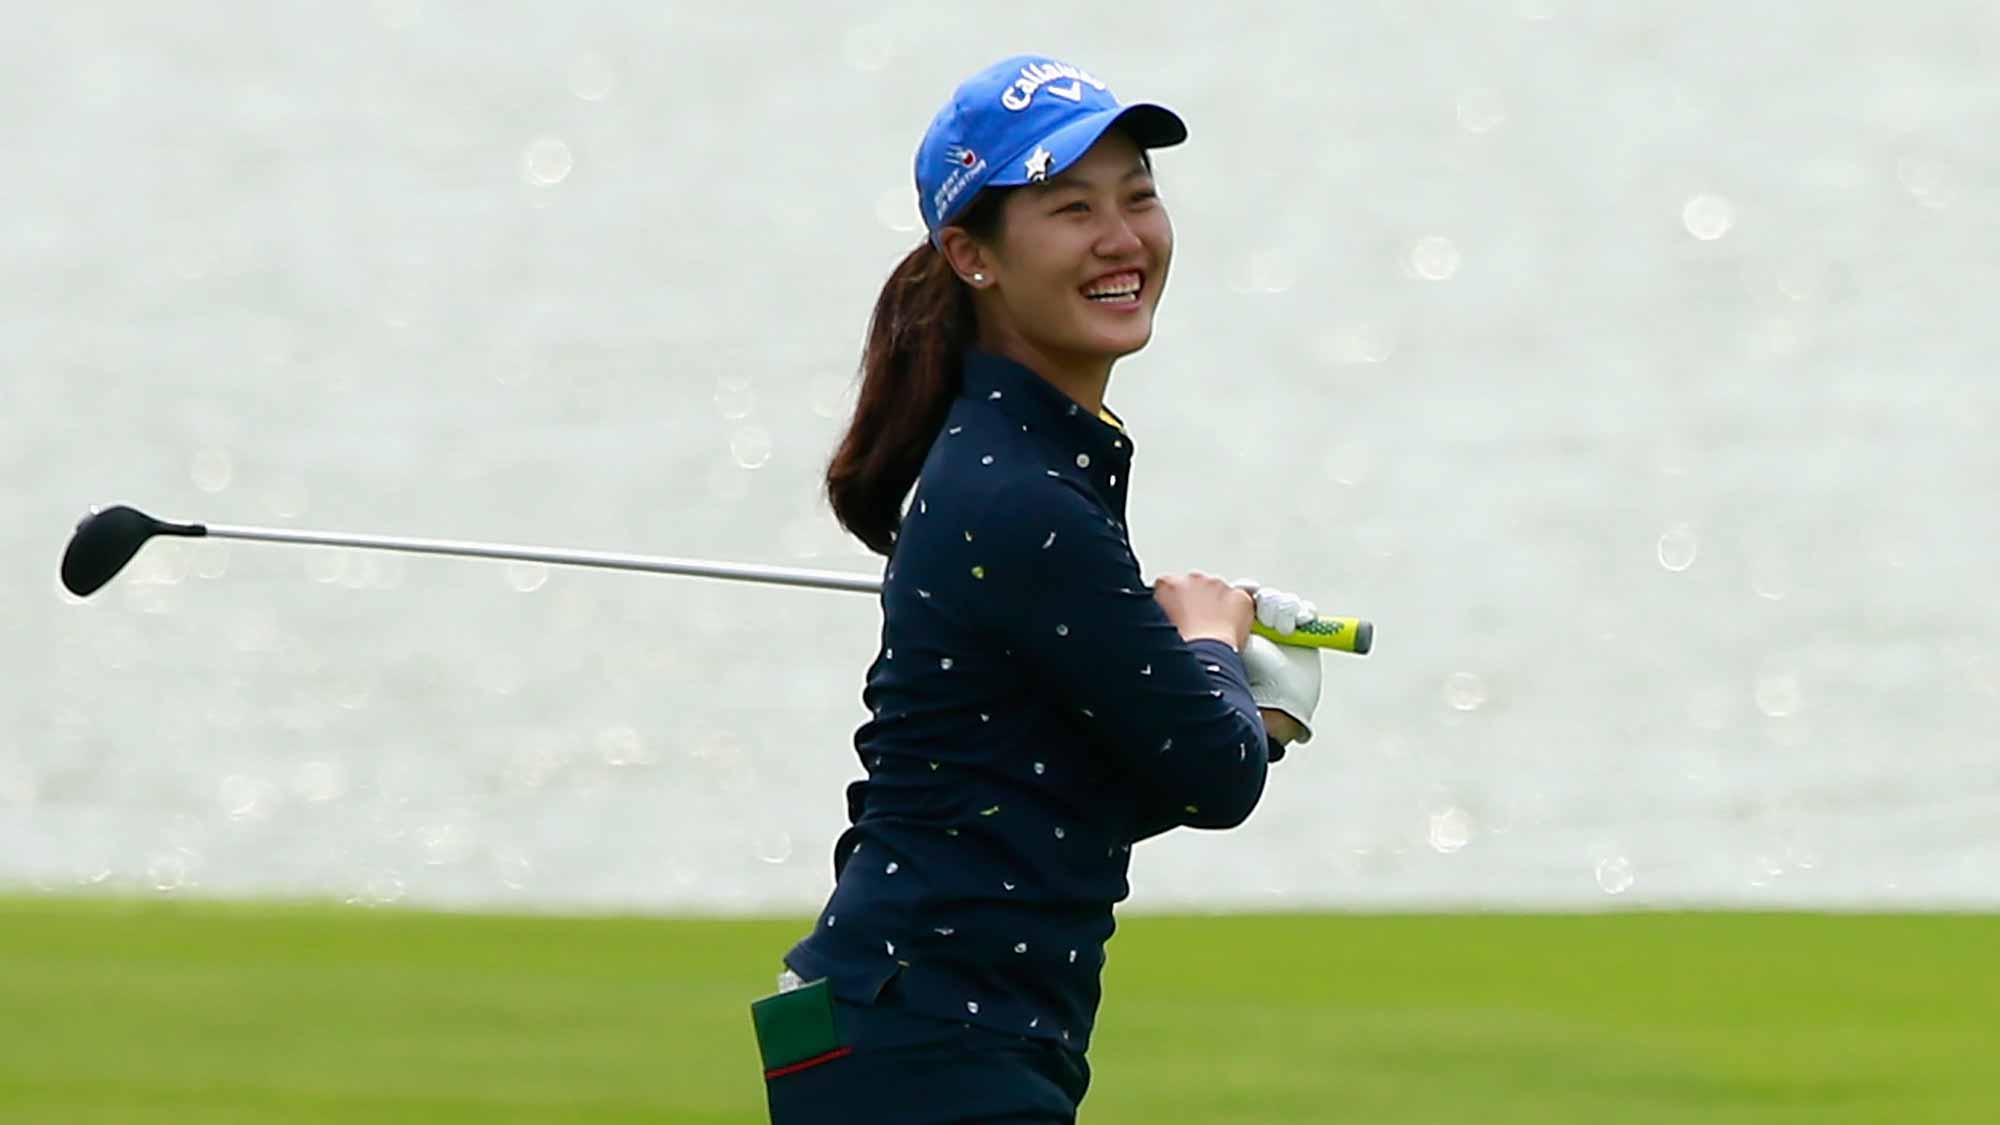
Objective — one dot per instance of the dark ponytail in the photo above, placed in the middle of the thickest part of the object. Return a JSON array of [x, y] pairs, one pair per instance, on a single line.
[[911, 369]]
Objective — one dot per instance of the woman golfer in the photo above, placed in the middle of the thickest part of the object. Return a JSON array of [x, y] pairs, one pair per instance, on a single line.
[[1037, 706]]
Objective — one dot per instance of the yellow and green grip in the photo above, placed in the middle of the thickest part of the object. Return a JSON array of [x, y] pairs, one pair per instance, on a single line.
[[1345, 634]]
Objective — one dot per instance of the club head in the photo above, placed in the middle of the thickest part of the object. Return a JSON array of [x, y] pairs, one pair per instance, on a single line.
[[105, 540]]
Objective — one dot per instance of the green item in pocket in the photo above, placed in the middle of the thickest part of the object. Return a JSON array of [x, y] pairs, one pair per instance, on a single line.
[[795, 1026]]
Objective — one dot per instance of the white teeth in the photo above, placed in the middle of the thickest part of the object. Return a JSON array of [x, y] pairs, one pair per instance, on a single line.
[[1127, 285]]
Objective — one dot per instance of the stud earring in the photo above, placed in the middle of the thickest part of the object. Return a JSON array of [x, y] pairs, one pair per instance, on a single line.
[[979, 277]]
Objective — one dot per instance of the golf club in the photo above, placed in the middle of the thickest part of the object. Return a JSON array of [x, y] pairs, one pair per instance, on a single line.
[[107, 538]]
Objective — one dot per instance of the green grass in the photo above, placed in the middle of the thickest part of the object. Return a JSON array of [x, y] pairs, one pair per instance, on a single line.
[[168, 1011]]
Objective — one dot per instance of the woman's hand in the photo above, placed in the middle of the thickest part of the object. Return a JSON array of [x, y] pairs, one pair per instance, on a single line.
[[1202, 605], [1284, 680]]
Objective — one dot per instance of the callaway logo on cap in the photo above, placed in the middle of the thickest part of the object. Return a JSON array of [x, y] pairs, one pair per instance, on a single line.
[[1020, 121]]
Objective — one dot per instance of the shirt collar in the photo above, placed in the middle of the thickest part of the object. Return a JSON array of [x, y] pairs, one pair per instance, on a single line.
[[1086, 445]]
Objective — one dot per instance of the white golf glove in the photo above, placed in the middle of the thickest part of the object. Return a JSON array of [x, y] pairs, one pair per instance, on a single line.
[[1284, 678], [1276, 609]]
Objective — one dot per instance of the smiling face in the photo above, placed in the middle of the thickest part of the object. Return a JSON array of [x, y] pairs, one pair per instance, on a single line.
[[1078, 264]]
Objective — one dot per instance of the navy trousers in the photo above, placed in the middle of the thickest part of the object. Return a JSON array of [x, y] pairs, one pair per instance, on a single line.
[[907, 1068]]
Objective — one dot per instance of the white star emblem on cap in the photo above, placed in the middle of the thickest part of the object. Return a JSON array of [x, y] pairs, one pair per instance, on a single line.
[[1038, 165]]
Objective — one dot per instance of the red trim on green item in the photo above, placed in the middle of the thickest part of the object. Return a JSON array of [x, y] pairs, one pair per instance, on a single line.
[[780, 1072]]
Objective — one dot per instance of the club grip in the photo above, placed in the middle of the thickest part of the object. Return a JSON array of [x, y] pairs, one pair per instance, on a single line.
[[1343, 634]]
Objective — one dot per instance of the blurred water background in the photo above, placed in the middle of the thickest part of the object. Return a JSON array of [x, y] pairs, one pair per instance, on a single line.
[[1624, 363]]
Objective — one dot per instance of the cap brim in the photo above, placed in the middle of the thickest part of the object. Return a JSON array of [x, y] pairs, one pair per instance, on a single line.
[[1149, 125]]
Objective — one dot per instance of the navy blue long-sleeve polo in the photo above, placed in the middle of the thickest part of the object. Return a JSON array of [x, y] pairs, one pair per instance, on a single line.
[[1035, 713]]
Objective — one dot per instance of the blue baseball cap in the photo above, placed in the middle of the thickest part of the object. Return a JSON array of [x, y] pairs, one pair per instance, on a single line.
[[1020, 121]]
